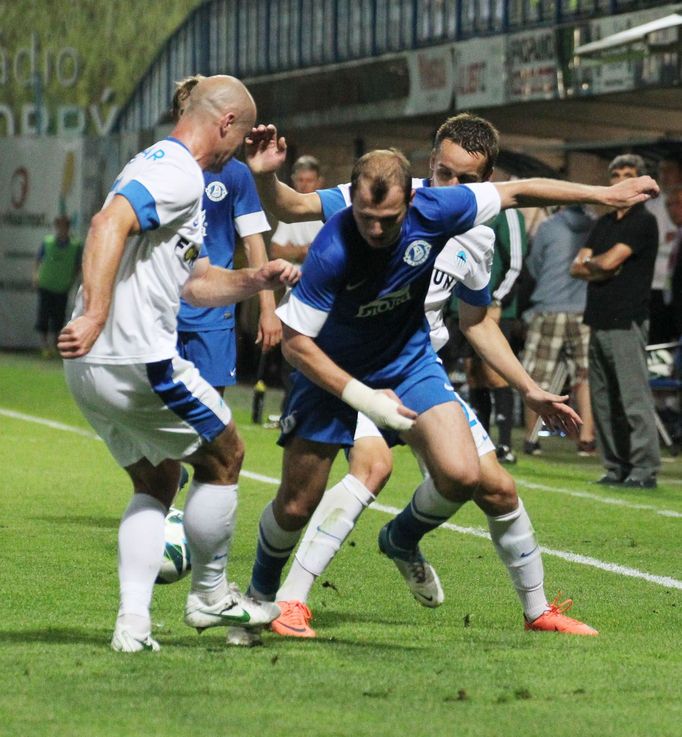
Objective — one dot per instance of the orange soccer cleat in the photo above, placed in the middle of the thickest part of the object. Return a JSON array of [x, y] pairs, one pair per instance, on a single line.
[[554, 620], [294, 619]]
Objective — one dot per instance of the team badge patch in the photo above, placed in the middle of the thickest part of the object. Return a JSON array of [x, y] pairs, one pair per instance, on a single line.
[[417, 253], [216, 191]]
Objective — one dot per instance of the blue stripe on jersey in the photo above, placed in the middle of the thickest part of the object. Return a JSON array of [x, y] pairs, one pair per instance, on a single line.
[[332, 201], [143, 203], [175, 140], [476, 297], [178, 398]]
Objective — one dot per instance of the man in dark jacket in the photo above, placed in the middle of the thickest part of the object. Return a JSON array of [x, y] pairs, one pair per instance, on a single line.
[[618, 263]]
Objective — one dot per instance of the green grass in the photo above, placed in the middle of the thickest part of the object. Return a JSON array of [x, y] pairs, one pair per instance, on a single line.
[[382, 665]]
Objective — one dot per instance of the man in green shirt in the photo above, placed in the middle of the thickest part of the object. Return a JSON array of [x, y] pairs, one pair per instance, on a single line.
[[57, 266]]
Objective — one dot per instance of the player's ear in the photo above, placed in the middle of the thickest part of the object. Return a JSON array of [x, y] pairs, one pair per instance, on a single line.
[[432, 159], [225, 121]]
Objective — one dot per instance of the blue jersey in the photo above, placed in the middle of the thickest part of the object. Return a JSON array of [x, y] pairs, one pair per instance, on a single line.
[[231, 207], [365, 307]]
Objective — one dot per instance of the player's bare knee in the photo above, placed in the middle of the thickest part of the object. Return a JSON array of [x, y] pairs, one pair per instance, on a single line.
[[375, 474], [293, 513], [498, 496], [457, 487]]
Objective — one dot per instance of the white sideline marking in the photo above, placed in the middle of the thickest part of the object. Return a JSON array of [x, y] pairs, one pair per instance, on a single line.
[[584, 560], [49, 423], [597, 498]]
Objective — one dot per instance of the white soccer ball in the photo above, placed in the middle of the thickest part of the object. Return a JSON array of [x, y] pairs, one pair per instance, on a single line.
[[176, 561]]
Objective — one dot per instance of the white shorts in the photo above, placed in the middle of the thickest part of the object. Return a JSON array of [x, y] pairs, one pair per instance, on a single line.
[[155, 410], [365, 428]]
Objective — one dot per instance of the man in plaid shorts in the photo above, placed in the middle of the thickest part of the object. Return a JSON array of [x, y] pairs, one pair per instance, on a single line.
[[556, 333]]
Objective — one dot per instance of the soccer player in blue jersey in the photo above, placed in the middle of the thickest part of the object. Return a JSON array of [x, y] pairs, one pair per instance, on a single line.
[[231, 210], [333, 335]]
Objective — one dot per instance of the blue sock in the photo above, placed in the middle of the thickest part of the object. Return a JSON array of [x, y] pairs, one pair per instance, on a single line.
[[426, 511], [408, 528], [275, 546]]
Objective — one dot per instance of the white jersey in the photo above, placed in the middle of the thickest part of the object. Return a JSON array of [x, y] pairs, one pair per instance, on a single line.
[[297, 234], [465, 264], [164, 185]]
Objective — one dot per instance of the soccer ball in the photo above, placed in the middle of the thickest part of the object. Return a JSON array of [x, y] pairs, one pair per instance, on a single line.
[[176, 563]]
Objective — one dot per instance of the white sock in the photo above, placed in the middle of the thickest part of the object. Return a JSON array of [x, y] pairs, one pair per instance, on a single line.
[[428, 500], [209, 521], [514, 539], [331, 524], [141, 541]]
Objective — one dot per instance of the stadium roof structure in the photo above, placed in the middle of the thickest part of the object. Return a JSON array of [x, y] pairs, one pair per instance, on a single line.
[[638, 35]]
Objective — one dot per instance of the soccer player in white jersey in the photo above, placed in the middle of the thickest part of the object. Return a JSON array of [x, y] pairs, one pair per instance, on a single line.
[[150, 406], [341, 514]]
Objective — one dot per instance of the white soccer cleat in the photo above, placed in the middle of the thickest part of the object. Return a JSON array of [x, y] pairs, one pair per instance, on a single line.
[[124, 641], [234, 609], [420, 576]]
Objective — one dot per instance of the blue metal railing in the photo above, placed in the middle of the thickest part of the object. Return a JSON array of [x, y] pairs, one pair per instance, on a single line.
[[254, 38]]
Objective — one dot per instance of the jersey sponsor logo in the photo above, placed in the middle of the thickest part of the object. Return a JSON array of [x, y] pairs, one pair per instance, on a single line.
[[216, 191], [441, 279], [417, 253], [188, 251], [385, 304]]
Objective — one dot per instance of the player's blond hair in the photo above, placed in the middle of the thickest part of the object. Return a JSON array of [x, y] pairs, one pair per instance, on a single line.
[[183, 89]]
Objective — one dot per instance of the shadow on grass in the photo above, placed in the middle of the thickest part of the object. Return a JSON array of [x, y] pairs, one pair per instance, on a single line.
[[57, 636], [81, 521]]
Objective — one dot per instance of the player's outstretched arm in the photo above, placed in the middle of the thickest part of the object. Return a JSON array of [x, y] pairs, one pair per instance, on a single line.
[[489, 342], [539, 192], [269, 326], [265, 152], [104, 245], [211, 286], [383, 408]]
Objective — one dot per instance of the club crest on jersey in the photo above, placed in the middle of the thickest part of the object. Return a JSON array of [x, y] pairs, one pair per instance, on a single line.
[[216, 191], [417, 253], [385, 304]]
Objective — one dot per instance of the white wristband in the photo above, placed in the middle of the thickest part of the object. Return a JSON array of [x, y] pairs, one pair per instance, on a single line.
[[379, 407]]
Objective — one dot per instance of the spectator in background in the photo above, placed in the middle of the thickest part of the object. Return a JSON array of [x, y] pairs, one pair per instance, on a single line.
[[662, 321], [291, 241], [617, 263], [674, 206], [486, 387], [57, 266], [556, 332]]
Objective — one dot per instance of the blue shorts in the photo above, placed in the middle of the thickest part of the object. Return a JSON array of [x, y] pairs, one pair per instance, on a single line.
[[313, 414], [213, 352]]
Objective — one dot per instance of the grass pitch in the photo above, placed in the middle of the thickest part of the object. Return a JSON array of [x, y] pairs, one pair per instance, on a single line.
[[381, 665]]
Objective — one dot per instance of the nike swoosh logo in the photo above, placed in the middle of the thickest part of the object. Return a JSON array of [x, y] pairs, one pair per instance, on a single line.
[[525, 555], [289, 627], [241, 618], [424, 596], [351, 287]]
